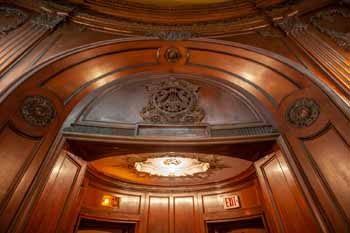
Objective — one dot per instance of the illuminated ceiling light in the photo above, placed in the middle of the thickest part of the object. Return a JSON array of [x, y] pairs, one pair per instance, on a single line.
[[172, 166]]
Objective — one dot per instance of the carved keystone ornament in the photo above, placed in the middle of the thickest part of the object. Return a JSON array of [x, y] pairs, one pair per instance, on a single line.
[[303, 112], [172, 55], [38, 111], [172, 101]]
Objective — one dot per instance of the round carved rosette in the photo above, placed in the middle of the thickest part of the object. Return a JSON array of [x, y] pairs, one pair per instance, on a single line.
[[172, 55], [38, 111], [303, 112]]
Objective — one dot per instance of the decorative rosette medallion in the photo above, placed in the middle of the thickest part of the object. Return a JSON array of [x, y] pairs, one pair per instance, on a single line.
[[38, 111], [303, 112]]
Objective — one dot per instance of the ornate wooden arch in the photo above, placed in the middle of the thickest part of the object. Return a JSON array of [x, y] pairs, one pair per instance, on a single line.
[[306, 112]]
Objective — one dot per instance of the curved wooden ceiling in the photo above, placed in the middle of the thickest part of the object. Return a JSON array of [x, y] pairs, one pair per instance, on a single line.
[[122, 168], [175, 3], [183, 19]]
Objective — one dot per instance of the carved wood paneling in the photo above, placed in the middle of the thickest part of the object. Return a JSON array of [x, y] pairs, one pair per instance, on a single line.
[[58, 197], [184, 215], [158, 215], [283, 198], [14, 161]]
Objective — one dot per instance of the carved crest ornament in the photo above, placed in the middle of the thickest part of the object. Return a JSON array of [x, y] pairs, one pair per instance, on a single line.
[[172, 101], [38, 111], [303, 112]]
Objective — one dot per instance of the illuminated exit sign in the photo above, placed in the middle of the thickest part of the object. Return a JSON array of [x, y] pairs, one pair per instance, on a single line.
[[231, 202]]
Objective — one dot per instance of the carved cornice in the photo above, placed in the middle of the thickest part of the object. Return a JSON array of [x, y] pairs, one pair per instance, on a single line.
[[49, 21], [341, 38], [125, 17], [173, 31], [20, 18], [292, 25], [173, 35]]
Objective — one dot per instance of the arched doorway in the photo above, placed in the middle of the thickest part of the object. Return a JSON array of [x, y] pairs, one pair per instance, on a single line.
[[311, 121]]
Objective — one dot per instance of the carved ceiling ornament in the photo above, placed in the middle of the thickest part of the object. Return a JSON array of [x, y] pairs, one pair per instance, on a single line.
[[164, 165], [172, 101], [18, 17], [341, 38], [303, 112], [38, 111]]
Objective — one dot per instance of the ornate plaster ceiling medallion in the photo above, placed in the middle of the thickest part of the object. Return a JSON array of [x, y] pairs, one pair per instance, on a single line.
[[172, 101], [172, 166]]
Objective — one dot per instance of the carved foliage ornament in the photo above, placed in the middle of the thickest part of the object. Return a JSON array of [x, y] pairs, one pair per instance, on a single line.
[[341, 38], [303, 112], [38, 111], [17, 16], [172, 101], [49, 21], [173, 35]]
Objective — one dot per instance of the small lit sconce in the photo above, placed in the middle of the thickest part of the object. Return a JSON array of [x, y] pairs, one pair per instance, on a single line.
[[110, 201]]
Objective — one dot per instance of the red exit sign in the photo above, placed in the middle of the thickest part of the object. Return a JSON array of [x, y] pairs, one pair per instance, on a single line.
[[231, 202]]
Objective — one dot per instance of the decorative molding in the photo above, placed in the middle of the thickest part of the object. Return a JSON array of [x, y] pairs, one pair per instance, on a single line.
[[173, 35], [21, 17], [49, 21], [341, 38], [303, 112], [169, 31], [172, 55], [269, 32], [228, 132], [244, 131], [292, 24], [60, 5], [172, 101], [38, 111]]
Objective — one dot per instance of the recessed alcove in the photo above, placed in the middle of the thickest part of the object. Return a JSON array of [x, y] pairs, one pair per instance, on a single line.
[[143, 118]]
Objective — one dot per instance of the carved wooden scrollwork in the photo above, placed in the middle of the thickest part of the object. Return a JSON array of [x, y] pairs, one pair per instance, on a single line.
[[303, 112], [17, 16], [172, 101], [341, 38], [38, 111], [48, 21]]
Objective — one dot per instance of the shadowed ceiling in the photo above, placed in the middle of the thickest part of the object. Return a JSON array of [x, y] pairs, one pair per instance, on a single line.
[[177, 2]]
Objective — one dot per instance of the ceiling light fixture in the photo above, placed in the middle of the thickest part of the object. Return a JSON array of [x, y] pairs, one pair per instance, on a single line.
[[172, 166]]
